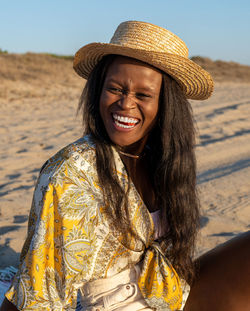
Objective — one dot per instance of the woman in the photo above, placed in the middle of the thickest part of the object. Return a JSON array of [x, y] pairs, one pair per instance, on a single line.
[[115, 214]]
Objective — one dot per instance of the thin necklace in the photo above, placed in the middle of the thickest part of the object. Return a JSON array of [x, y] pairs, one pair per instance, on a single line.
[[130, 155]]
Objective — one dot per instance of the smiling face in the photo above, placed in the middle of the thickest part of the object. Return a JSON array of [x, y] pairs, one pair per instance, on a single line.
[[129, 100]]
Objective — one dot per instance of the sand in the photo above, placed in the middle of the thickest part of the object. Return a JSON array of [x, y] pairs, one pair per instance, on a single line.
[[223, 157], [38, 117]]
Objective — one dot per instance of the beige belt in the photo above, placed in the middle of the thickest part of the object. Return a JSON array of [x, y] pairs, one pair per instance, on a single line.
[[119, 292]]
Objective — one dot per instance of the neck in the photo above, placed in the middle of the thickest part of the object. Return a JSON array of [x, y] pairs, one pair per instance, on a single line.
[[135, 150], [133, 155]]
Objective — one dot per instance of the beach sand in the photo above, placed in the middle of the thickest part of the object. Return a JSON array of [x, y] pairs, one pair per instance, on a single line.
[[38, 102]]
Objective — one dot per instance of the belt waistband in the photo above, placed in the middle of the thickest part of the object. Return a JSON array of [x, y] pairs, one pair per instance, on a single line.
[[124, 277], [119, 292]]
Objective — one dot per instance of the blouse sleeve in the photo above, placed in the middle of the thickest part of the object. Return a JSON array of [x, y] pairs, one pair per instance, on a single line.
[[57, 251]]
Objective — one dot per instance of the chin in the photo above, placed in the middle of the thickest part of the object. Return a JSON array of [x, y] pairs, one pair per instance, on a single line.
[[123, 142]]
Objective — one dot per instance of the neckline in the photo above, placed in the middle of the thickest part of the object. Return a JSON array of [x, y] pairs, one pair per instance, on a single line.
[[121, 170]]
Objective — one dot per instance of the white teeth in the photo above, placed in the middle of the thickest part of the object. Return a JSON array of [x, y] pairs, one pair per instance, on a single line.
[[124, 119]]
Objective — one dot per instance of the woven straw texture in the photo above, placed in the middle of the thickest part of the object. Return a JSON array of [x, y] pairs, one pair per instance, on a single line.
[[153, 45]]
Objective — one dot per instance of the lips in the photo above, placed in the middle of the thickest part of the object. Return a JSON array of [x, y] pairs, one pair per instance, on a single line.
[[124, 122]]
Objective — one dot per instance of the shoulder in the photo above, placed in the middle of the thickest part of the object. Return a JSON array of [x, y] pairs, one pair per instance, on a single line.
[[67, 175], [79, 156], [74, 164]]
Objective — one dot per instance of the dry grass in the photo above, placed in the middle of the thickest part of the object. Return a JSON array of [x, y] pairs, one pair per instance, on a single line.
[[27, 76], [224, 71], [36, 75]]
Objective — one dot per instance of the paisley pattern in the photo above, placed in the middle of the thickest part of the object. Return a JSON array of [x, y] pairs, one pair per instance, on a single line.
[[70, 240], [158, 282]]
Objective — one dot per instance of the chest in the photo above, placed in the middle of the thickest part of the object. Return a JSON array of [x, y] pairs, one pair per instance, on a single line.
[[144, 185]]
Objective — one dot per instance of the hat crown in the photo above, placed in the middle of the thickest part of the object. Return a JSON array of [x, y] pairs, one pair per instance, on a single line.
[[149, 37], [152, 45]]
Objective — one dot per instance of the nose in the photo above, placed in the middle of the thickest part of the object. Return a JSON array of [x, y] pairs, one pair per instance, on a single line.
[[127, 101]]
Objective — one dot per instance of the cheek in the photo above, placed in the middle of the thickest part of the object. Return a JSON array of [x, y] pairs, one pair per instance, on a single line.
[[103, 105], [151, 118], [105, 101], [153, 113], [156, 109]]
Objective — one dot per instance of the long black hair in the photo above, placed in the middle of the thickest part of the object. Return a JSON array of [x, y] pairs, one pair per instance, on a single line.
[[172, 162]]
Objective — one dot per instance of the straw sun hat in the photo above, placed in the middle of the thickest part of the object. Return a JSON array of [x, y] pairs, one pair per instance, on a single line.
[[153, 45]]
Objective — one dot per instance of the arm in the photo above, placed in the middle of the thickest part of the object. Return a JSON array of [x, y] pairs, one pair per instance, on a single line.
[[51, 257], [223, 281]]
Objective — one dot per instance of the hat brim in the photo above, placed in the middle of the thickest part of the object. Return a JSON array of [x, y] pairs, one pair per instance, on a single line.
[[195, 82]]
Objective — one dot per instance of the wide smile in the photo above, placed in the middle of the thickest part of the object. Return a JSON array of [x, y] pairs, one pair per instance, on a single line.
[[124, 122]]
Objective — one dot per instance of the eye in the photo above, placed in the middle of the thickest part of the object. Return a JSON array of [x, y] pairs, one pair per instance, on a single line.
[[115, 90], [142, 96]]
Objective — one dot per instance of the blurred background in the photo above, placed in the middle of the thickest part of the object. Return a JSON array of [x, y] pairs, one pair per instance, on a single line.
[[215, 29]]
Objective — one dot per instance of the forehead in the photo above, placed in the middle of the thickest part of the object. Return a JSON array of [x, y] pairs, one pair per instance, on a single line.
[[119, 59], [123, 64]]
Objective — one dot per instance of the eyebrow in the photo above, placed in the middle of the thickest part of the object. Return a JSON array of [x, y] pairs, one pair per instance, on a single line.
[[146, 89], [112, 81], [140, 89]]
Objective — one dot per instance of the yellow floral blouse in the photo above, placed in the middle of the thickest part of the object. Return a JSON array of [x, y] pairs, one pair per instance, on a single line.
[[70, 240]]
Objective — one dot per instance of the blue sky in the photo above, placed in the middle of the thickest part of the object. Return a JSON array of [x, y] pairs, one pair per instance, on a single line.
[[219, 29]]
